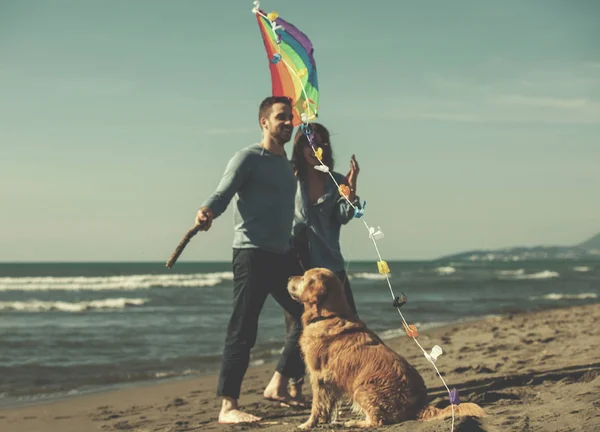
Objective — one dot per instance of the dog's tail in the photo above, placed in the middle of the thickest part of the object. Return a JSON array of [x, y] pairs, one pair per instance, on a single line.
[[462, 410]]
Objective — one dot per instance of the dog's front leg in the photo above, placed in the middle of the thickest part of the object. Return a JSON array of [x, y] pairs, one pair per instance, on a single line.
[[321, 404]]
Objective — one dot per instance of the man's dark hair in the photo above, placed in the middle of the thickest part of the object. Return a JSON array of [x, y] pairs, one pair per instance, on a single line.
[[265, 106]]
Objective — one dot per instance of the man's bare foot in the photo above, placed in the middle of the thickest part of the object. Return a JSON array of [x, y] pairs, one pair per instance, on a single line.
[[237, 416], [231, 414], [277, 391]]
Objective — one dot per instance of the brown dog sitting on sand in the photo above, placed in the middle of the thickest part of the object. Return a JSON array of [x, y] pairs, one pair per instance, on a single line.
[[347, 360]]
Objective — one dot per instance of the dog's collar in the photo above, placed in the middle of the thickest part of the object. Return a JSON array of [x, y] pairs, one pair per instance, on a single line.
[[321, 318]]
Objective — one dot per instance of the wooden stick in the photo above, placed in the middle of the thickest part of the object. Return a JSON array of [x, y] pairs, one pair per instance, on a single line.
[[182, 244]]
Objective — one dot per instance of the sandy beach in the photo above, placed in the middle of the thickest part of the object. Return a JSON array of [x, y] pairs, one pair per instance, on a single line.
[[530, 372]]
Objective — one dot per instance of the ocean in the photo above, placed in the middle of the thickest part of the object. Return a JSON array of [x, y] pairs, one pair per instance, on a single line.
[[69, 329]]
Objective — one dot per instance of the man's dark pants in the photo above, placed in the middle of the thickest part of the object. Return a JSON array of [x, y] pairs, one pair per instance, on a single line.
[[256, 274]]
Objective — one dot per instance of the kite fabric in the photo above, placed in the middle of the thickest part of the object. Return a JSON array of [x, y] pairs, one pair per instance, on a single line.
[[292, 65]]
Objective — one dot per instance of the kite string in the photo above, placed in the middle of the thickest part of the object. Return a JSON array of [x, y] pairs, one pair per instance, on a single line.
[[393, 295], [392, 291], [390, 286], [305, 120]]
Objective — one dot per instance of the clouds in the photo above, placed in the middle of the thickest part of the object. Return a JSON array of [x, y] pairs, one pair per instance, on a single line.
[[513, 108], [542, 102], [565, 95]]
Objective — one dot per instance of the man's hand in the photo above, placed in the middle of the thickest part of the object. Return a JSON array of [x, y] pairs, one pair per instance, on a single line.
[[204, 218]]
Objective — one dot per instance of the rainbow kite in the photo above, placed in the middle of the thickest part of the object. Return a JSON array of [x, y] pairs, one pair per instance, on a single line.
[[292, 65]]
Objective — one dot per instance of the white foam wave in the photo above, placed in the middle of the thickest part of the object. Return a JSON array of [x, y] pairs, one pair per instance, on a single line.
[[392, 333], [101, 283], [582, 269], [557, 296], [445, 270], [546, 274], [170, 374], [397, 332], [511, 272], [44, 306], [368, 276]]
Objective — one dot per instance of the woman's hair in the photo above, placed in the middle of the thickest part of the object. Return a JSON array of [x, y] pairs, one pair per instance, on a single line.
[[301, 141]]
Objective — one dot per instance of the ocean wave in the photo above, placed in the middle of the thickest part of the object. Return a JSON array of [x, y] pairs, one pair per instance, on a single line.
[[44, 306], [368, 276], [445, 270], [582, 269], [546, 274], [399, 331], [102, 283], [170, 374], [518, 272], [557, 296]]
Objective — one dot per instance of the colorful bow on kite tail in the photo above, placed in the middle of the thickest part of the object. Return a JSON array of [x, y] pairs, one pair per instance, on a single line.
[[292, 64]]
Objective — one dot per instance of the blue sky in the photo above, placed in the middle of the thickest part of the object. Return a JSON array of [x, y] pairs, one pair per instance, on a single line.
[[476, 123]]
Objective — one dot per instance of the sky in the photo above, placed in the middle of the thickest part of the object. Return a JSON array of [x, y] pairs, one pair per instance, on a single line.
[[476, 124]]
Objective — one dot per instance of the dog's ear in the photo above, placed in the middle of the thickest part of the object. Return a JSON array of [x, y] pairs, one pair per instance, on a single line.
[[315, 290]]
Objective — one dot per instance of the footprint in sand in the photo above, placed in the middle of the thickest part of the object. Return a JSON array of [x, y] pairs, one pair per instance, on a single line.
[[491, 397], [517, 423], [177, 402], [484, 369], [123, 425], [495, 348]]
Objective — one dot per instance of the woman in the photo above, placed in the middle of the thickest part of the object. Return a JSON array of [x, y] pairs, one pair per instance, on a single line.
[[320, 213], [320, 208]]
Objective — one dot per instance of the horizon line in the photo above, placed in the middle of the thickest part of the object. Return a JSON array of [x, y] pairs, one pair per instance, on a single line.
[[178, 262]]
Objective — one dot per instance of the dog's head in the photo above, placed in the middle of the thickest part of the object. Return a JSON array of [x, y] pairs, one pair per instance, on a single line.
[[321, 291]]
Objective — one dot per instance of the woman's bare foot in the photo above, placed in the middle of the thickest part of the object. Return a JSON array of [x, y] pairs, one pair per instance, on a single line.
[[277, 391], [231, 414], [296, 390]]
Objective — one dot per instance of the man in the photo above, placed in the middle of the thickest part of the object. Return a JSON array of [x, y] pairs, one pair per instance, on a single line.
[[263, 179]]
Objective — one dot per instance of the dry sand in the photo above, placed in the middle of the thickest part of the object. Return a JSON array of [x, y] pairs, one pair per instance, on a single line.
[[530, 372]]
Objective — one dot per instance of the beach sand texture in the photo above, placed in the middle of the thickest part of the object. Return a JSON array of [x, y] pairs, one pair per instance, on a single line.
[[531, 372]]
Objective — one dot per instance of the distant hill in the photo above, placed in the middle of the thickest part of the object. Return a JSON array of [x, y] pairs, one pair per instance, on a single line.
[[591, 244], [589, 249]]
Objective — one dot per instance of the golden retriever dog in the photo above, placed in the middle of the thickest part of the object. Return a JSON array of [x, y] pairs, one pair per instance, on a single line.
[[347, 360]]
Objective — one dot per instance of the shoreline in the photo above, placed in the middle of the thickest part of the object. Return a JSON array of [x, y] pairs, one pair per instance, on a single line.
[[490, 361], [45, 398]]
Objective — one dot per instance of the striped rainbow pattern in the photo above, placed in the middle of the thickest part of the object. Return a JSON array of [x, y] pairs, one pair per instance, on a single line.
[[295, 74]]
